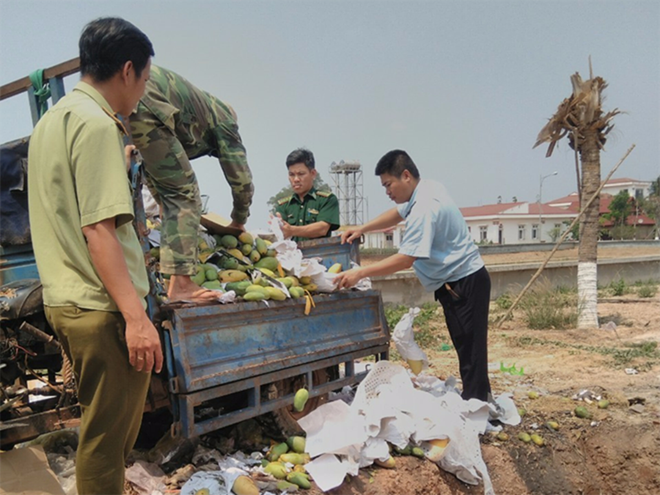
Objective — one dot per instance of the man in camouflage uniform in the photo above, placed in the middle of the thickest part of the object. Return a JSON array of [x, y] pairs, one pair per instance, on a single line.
[[174, 123], [308, 213]]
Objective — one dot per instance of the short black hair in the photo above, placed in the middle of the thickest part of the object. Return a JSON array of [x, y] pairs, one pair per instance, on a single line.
[[395, 162], [301, 155], [107, 43]]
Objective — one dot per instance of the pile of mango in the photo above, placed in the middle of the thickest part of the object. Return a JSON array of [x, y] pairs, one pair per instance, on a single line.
[[225, 273], [286, 462]]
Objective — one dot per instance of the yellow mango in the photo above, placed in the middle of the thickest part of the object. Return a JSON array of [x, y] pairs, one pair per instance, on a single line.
[[232, 276], [390, 463], [336, 268], [243, 485]]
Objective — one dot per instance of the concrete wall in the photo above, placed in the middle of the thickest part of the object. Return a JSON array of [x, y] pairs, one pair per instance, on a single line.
[[404, 287]]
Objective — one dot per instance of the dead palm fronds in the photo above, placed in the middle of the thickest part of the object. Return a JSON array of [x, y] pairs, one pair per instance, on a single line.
[[578, 115]]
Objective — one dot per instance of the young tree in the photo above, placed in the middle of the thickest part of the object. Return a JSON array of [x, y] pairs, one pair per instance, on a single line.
[[581, 118], [620, 209]]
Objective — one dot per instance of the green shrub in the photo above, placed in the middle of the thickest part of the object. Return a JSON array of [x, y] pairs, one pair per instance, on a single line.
[[546, 308], [504, 302], [618, 287], [647, 291]]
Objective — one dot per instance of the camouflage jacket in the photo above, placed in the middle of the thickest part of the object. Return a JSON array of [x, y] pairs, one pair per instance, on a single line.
[[204, 125]]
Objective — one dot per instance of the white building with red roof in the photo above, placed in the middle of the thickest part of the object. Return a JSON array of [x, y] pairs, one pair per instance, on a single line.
[[515, 223]]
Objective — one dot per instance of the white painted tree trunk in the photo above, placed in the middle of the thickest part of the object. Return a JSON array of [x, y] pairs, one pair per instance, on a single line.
[[587, 294]]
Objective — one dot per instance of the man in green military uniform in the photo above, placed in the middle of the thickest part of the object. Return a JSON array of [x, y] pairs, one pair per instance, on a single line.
[[174, 123], [308, 213]]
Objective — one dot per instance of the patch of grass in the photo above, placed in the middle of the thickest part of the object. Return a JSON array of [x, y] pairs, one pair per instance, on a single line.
[[548, 308], [624, 356], [505, 301], [647, 291]]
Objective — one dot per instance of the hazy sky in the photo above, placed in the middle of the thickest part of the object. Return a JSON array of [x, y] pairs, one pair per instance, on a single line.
[[463, 86]]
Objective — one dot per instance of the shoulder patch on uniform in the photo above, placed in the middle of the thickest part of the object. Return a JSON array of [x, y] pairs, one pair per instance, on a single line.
[[286, 199], [324, 194], [118, 122]]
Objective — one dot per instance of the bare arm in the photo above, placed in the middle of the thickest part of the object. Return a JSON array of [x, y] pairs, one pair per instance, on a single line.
[[389, 265], [383, 221], [142, 338]]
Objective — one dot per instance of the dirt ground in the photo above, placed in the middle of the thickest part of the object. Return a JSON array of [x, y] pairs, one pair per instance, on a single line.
[[616, 451]]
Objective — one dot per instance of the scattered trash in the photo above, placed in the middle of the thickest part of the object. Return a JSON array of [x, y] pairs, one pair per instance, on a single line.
[[388, 409], [594, 423], [511, 370], [26, 470], [636, 400], [603, 404], [587, 396], [404, 340], [638, 408], [533, 395], [631, 371], [610, 325], [146, 477]]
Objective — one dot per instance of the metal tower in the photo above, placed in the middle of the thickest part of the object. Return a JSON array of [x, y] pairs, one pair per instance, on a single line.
[[348, 188]]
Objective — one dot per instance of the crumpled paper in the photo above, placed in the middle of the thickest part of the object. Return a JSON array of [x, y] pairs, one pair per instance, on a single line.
[[219, 482], [388, 408], [404, 339]]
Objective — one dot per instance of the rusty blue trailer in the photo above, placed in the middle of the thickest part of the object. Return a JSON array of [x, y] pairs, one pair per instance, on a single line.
[[242, 350]]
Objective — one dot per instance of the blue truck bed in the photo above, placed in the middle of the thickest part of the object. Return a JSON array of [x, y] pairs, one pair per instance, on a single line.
[[243, 348]]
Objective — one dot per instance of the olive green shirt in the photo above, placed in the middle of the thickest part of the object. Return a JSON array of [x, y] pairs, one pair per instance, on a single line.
[[77, 176], [316, 206]]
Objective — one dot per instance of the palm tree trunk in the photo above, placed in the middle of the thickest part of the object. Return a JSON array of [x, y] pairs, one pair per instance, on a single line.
[[588, 248]]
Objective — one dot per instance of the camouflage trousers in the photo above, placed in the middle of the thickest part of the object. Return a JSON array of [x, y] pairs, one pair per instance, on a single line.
[[173, 184]]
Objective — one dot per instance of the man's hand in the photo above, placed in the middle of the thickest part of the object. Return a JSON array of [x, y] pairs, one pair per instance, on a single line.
[[348, 279], [285, 227], [144, 349], [349, 235], [235, 225], [128, 151]]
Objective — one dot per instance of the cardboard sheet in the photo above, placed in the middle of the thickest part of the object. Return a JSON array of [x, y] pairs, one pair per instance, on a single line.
[[26, 472]]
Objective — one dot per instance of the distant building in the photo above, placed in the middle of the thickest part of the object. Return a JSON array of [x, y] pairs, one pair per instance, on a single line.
[[515, 223], [636, 188]]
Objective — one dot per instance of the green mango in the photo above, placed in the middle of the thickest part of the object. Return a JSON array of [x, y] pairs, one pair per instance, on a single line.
[[261, 246], [229, 241]]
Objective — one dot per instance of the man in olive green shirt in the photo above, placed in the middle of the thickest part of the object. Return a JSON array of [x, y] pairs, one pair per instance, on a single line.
[[87, 252], [308, 213]]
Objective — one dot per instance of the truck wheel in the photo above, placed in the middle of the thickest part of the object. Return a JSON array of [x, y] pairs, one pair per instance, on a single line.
[[286, 419]]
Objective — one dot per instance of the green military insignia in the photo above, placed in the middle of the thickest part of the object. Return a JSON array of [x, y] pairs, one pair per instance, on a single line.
[[312, 211], [284, 200], [324, 194]]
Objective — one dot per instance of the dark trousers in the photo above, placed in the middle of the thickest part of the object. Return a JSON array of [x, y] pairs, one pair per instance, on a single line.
[[465, 304]]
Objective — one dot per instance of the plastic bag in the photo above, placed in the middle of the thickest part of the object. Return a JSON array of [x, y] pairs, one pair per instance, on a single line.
[[404, 339]]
